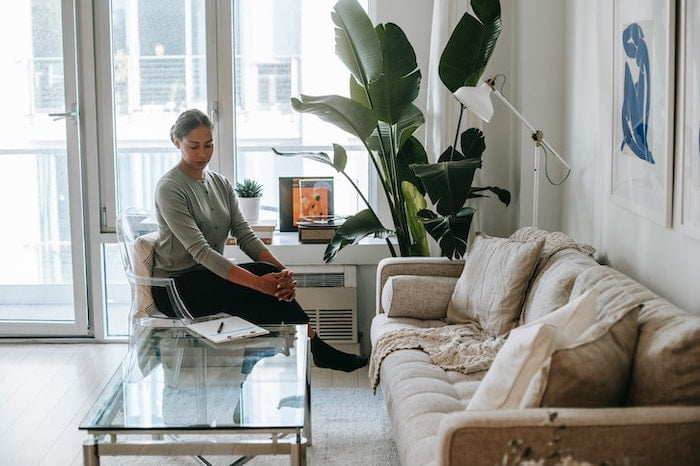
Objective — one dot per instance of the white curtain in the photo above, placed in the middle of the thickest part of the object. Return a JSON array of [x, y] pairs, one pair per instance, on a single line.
[[442, 109]]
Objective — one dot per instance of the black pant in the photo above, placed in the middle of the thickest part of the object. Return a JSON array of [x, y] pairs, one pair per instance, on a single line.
[[205, 293]]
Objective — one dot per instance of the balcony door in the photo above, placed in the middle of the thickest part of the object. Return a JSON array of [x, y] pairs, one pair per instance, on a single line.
[[42, 276]]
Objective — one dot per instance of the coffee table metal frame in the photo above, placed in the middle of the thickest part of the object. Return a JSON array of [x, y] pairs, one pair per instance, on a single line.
[[106, 441]]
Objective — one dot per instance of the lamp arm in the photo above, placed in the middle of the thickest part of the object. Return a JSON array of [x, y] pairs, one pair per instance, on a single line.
[[537, 134]]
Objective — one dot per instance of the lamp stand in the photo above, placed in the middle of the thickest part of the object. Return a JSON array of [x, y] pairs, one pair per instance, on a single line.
[[538, 137]]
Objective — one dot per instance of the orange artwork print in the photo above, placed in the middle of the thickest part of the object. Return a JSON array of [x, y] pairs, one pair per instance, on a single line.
[[311, 202]]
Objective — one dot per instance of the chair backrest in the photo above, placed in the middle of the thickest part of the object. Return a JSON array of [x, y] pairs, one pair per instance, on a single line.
[[137, 233]]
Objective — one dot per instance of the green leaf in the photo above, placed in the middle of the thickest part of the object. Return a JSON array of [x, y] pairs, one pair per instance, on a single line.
[[450, 232], [412, 153], [360, 225], [340, 157], [472, 143], [344, 113], [448, 183], [398, 86], [470, 46], [415, 201], [356, 43], [502, 194]]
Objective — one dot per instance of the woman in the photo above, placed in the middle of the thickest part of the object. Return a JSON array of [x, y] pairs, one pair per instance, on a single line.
[[196, 209]]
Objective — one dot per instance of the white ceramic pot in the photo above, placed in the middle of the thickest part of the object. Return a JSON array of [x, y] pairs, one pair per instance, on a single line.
[[250, 207]]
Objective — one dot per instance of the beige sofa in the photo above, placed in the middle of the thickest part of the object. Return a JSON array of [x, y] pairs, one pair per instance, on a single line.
[[659, 423]]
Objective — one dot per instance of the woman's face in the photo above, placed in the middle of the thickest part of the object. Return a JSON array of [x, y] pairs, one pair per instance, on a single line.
[[197, 148]]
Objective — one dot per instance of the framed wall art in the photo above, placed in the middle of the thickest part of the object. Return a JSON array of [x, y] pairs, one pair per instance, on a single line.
[[643, 107], [304, 198], [688, 142]]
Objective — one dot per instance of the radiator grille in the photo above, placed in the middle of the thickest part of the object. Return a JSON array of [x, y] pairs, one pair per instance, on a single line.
[[333, 324], [320, 280]]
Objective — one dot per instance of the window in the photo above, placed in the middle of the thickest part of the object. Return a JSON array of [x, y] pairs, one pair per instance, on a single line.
[[283, 49], [244, 58]]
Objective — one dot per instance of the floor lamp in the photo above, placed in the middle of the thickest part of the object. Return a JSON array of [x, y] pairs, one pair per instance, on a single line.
[[478, 101]]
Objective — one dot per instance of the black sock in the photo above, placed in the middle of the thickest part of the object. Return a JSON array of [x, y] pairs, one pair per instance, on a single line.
[[326, 356]]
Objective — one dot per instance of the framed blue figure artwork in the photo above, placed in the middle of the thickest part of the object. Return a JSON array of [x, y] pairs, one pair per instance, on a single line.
[[688, 142], [643, 107]]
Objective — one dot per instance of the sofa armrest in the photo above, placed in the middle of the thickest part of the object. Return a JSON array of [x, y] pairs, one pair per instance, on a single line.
[[426, 266], [635, 435]]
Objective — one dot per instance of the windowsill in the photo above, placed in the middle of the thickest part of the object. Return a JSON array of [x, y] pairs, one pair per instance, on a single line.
[[287, 248]]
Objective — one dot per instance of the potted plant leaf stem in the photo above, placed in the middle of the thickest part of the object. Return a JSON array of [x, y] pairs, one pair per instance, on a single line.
[[249, 193]]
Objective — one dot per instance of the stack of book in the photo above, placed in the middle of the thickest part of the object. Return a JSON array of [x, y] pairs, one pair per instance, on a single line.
[[313, 231], [264, 229]]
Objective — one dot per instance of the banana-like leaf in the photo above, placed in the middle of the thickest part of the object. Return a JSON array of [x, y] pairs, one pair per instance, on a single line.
[[412, 153], [472, 143], [398, 86], [470, 46], [450, 232], [502, 194], [414, 203], [448, 183], [360, 225], [344, 113], [409, 123], [356, 43], [339, 157]]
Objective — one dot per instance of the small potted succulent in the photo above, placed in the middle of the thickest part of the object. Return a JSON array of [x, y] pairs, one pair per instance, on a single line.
[[249, 193]]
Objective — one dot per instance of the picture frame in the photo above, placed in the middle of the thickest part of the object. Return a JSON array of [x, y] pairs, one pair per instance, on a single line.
[[295, 197], [688, 134], [643, 107]]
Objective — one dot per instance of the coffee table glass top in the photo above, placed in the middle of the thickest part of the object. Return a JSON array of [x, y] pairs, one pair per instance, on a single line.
[[172, 379]]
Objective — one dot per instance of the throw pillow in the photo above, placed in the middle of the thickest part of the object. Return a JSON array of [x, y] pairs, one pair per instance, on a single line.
[[527, 349], [594, 372], [143, 267], [492, 285], [417, 296]]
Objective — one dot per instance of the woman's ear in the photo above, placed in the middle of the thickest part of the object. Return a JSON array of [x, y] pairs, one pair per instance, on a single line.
[[176, 142]]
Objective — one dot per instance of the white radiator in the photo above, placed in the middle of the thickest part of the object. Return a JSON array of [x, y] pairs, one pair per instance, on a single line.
[[328, 294]]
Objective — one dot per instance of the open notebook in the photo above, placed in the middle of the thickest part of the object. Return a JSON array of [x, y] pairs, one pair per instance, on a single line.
[[226, 329]]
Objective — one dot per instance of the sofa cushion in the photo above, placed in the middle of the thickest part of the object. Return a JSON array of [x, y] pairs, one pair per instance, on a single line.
[[527, 349], [664, 370], [418, 395], [422, 297], [143, 267], [492, 285], [594, 372]]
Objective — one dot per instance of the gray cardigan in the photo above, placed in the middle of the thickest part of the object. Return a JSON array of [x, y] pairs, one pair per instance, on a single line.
[[194, 220]]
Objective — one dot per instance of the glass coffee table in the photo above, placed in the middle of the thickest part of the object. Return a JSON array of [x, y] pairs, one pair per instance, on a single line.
[[177, 394]]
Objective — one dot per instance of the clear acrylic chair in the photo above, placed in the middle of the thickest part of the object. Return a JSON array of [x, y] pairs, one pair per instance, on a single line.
[[137, 233]]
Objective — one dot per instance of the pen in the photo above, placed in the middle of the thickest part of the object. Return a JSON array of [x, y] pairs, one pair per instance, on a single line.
[[221, 327]]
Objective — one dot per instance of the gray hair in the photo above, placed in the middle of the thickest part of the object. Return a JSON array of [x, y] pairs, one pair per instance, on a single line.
[[187, 121]]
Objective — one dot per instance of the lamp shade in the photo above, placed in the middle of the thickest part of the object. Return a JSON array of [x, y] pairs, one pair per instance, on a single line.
[[477, 100]]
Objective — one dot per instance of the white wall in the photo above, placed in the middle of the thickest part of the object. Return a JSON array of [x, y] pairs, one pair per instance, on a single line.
[[565, 82], [558, 59]]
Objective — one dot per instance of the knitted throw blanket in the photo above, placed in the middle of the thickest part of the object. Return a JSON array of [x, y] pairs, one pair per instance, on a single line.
[[465, 348]]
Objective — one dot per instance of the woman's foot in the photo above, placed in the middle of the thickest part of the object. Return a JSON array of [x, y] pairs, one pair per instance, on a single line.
[[327, 357]]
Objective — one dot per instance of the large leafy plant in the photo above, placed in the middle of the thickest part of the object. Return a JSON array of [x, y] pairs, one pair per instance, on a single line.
[[384, 83]]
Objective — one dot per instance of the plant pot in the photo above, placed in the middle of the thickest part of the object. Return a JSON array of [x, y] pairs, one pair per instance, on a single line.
[[250, 207]]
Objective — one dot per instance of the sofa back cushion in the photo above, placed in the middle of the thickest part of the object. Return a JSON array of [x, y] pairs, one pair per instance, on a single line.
[[560, 261], [552, 285], [665, 366]]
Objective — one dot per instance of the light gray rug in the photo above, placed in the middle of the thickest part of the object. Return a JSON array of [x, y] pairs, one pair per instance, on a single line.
[[350, 426]]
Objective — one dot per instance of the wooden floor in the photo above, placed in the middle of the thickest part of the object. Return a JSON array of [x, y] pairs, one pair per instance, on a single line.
[[46, 390]]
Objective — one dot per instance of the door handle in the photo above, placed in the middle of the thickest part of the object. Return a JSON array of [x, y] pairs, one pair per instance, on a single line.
[[73, 115]]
